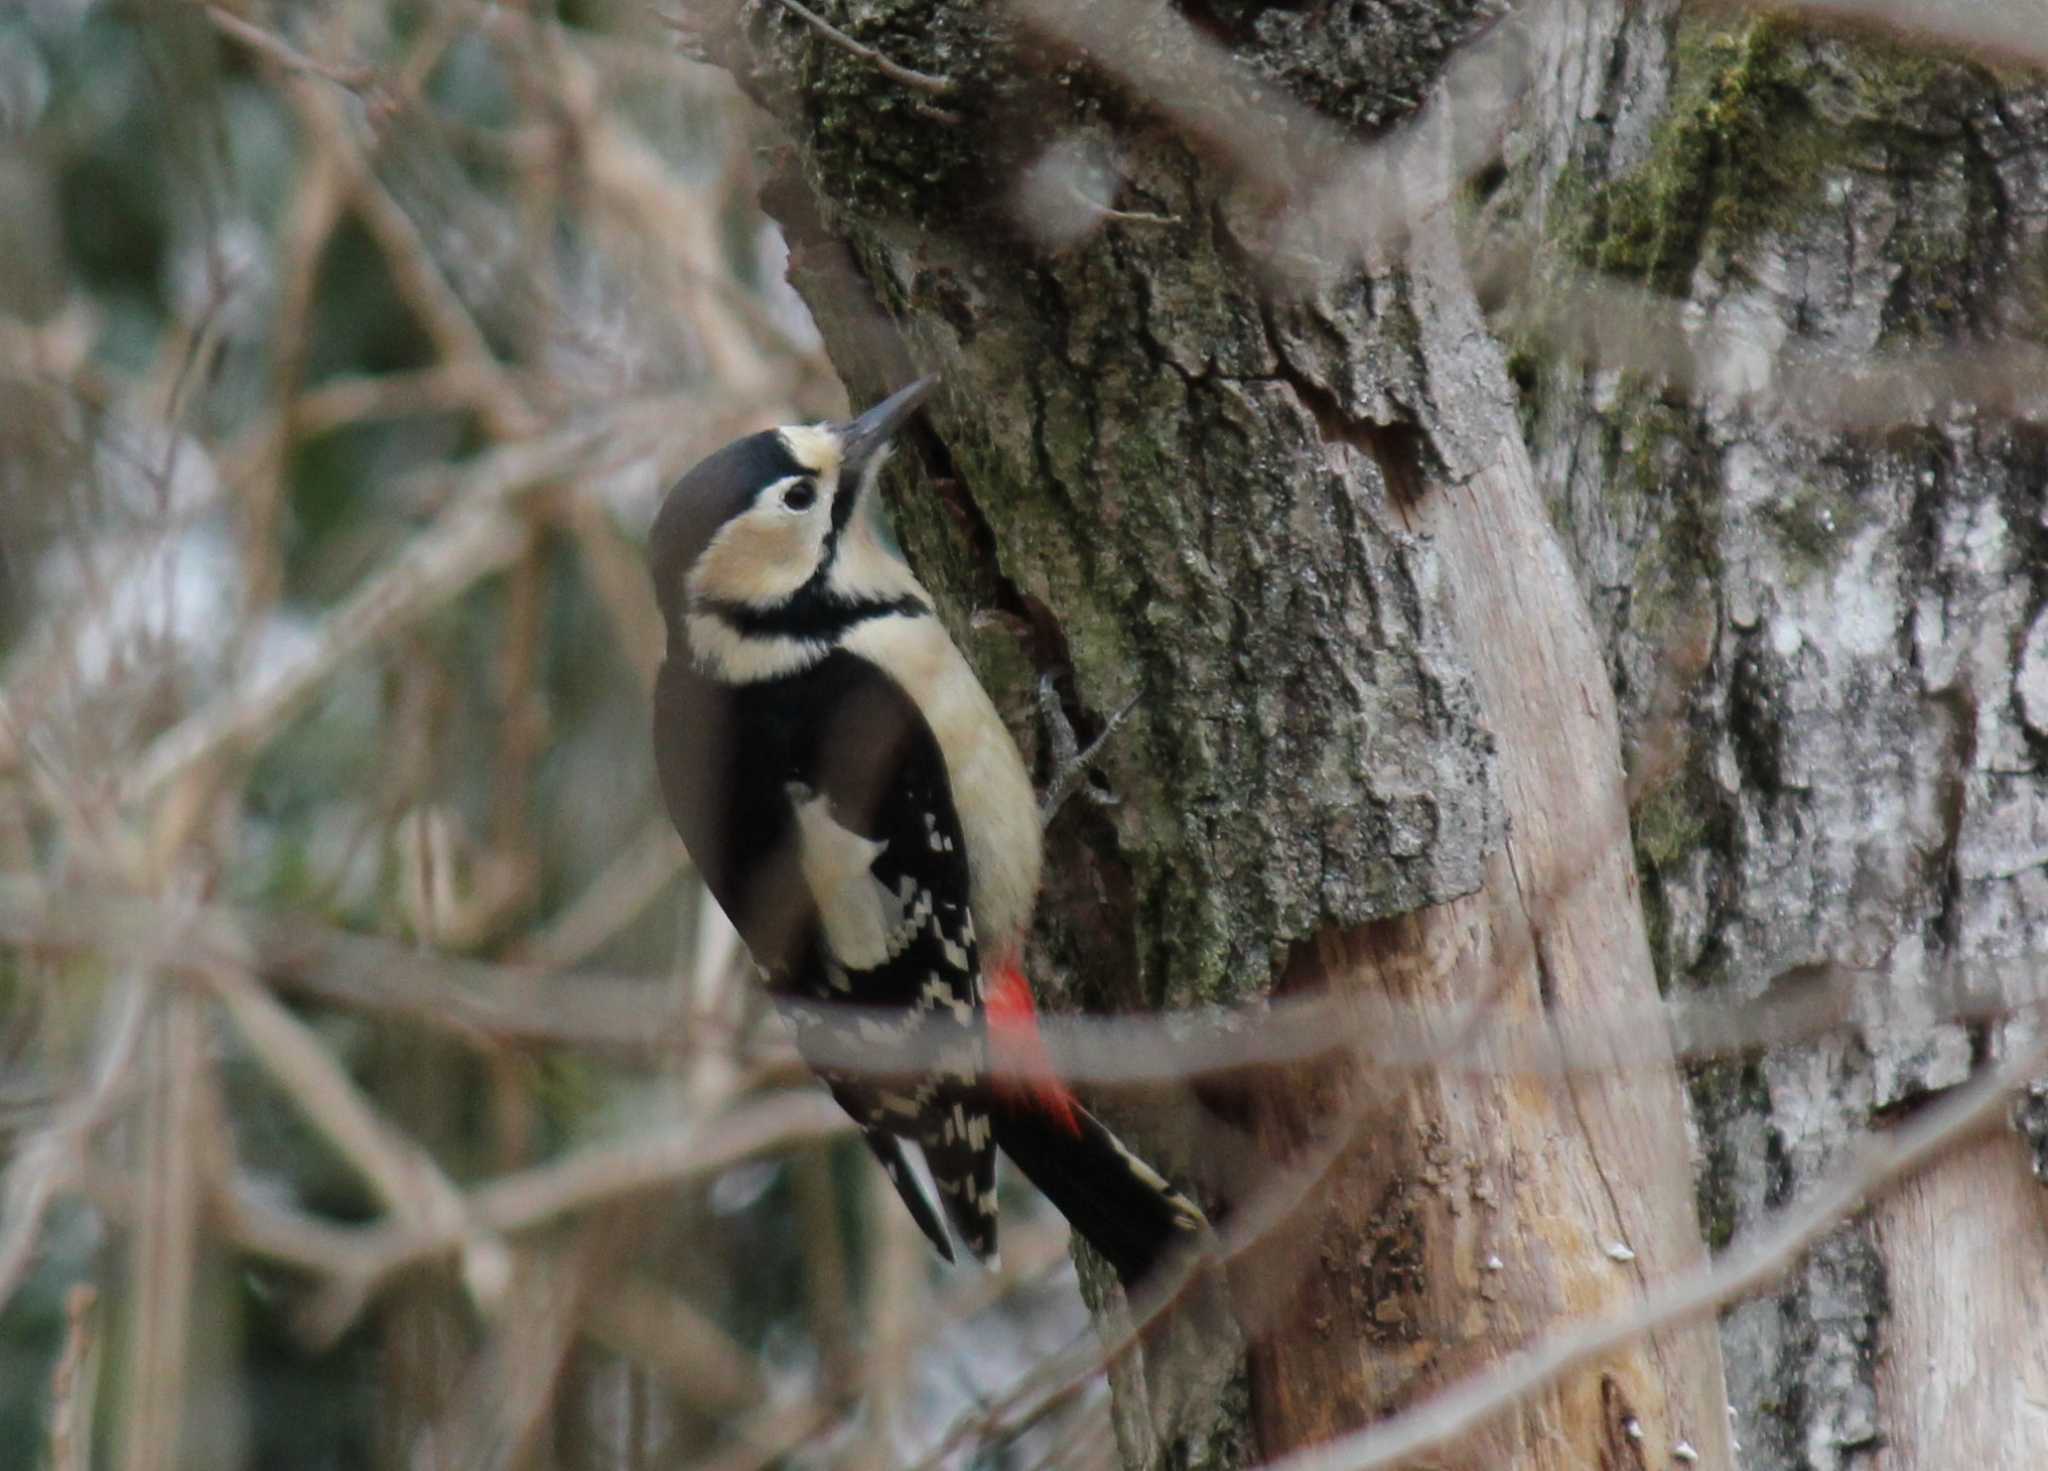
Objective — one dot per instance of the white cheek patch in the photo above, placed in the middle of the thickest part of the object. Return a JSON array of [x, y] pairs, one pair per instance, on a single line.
[[760, 557]]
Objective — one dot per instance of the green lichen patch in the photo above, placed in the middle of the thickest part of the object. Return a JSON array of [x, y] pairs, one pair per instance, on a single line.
[[1741, 148], [1812, 523], [1763, 109], [1722, 1093], [1670, 824]]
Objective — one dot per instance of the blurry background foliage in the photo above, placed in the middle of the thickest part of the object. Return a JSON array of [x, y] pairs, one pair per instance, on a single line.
[[289, 295]]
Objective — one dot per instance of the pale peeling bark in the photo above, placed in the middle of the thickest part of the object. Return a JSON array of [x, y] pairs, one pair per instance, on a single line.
[[1821, 635], [1374, 749]]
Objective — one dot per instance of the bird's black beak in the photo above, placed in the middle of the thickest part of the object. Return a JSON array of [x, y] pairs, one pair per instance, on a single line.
[[862, 438]]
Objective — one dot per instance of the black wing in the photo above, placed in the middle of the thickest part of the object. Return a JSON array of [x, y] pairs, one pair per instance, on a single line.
[[818, 808]]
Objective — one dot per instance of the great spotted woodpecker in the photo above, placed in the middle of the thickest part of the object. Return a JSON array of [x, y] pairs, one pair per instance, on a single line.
[[861, 814]]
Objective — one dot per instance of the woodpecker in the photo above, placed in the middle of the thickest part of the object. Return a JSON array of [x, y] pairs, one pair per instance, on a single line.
[[861, 814]]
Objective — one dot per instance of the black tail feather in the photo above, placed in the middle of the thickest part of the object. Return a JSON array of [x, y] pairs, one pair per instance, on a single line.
[[889, 1150], [1120, 1204]]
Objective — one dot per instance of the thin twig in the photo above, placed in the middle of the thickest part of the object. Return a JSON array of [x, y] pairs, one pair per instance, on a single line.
[[648, 1322], [590, 1177], [937, 86], [276, 49], [404, 1177], [433, 567], [73, 1381], [42, 1164]]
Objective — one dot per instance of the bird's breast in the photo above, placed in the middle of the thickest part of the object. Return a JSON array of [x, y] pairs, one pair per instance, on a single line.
[[992, 793]]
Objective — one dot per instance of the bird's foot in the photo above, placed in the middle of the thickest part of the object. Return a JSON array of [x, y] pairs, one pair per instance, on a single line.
[[1070, 763]]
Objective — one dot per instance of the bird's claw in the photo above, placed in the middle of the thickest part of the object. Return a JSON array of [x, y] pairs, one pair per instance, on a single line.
[[1070, 763]]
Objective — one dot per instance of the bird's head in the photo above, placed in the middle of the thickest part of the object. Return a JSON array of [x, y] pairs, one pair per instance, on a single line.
[[768, 536]]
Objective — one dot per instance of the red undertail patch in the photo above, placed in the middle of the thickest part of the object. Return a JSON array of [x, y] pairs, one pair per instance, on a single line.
[[1024, 1068]]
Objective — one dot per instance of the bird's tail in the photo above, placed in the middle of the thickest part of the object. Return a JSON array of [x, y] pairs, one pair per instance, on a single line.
[[1123, 1207]]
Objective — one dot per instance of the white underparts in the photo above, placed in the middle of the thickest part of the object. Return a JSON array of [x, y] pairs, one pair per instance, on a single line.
[[992, 793]]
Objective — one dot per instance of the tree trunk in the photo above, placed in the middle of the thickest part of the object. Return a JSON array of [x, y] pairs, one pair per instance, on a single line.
[[1374, 751], [1826, 495]]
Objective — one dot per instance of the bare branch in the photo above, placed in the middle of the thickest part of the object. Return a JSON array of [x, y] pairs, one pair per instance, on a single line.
[[647, 1322], [280, 52], [434, 567], [43, 1163], [2001, 34], [401, 1173], [418, 277], [590, 1177], [495, 1005], [163, 1247], [908, 76], [646, 865], [73, 1382], [1607, 323]]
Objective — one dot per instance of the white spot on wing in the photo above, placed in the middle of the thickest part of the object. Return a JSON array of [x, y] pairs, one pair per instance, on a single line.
[[859, 916]]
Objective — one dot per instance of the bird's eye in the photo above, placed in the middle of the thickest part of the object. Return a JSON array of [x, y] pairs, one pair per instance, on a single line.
[[800, 496]]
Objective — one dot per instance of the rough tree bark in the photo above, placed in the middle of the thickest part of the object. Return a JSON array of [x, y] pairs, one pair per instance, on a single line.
[[1374, 750], [1854, 226]]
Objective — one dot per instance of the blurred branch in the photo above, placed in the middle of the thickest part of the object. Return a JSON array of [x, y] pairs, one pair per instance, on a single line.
[[404, 1177], [163, 1247], [474, 538], [617, 574], [1343, 200], [309, 224], [650, 1324], [487, 1004], [418, 279], [1255, 1218], [501, 1403], [74, 1381], [491, 1004], [45, 1162], [2002, 32], [519, 1202], [828, 1296], [1607, 323], [774, 1434], [280, 52], [468, 544], [57, 353], [483, 1003]]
